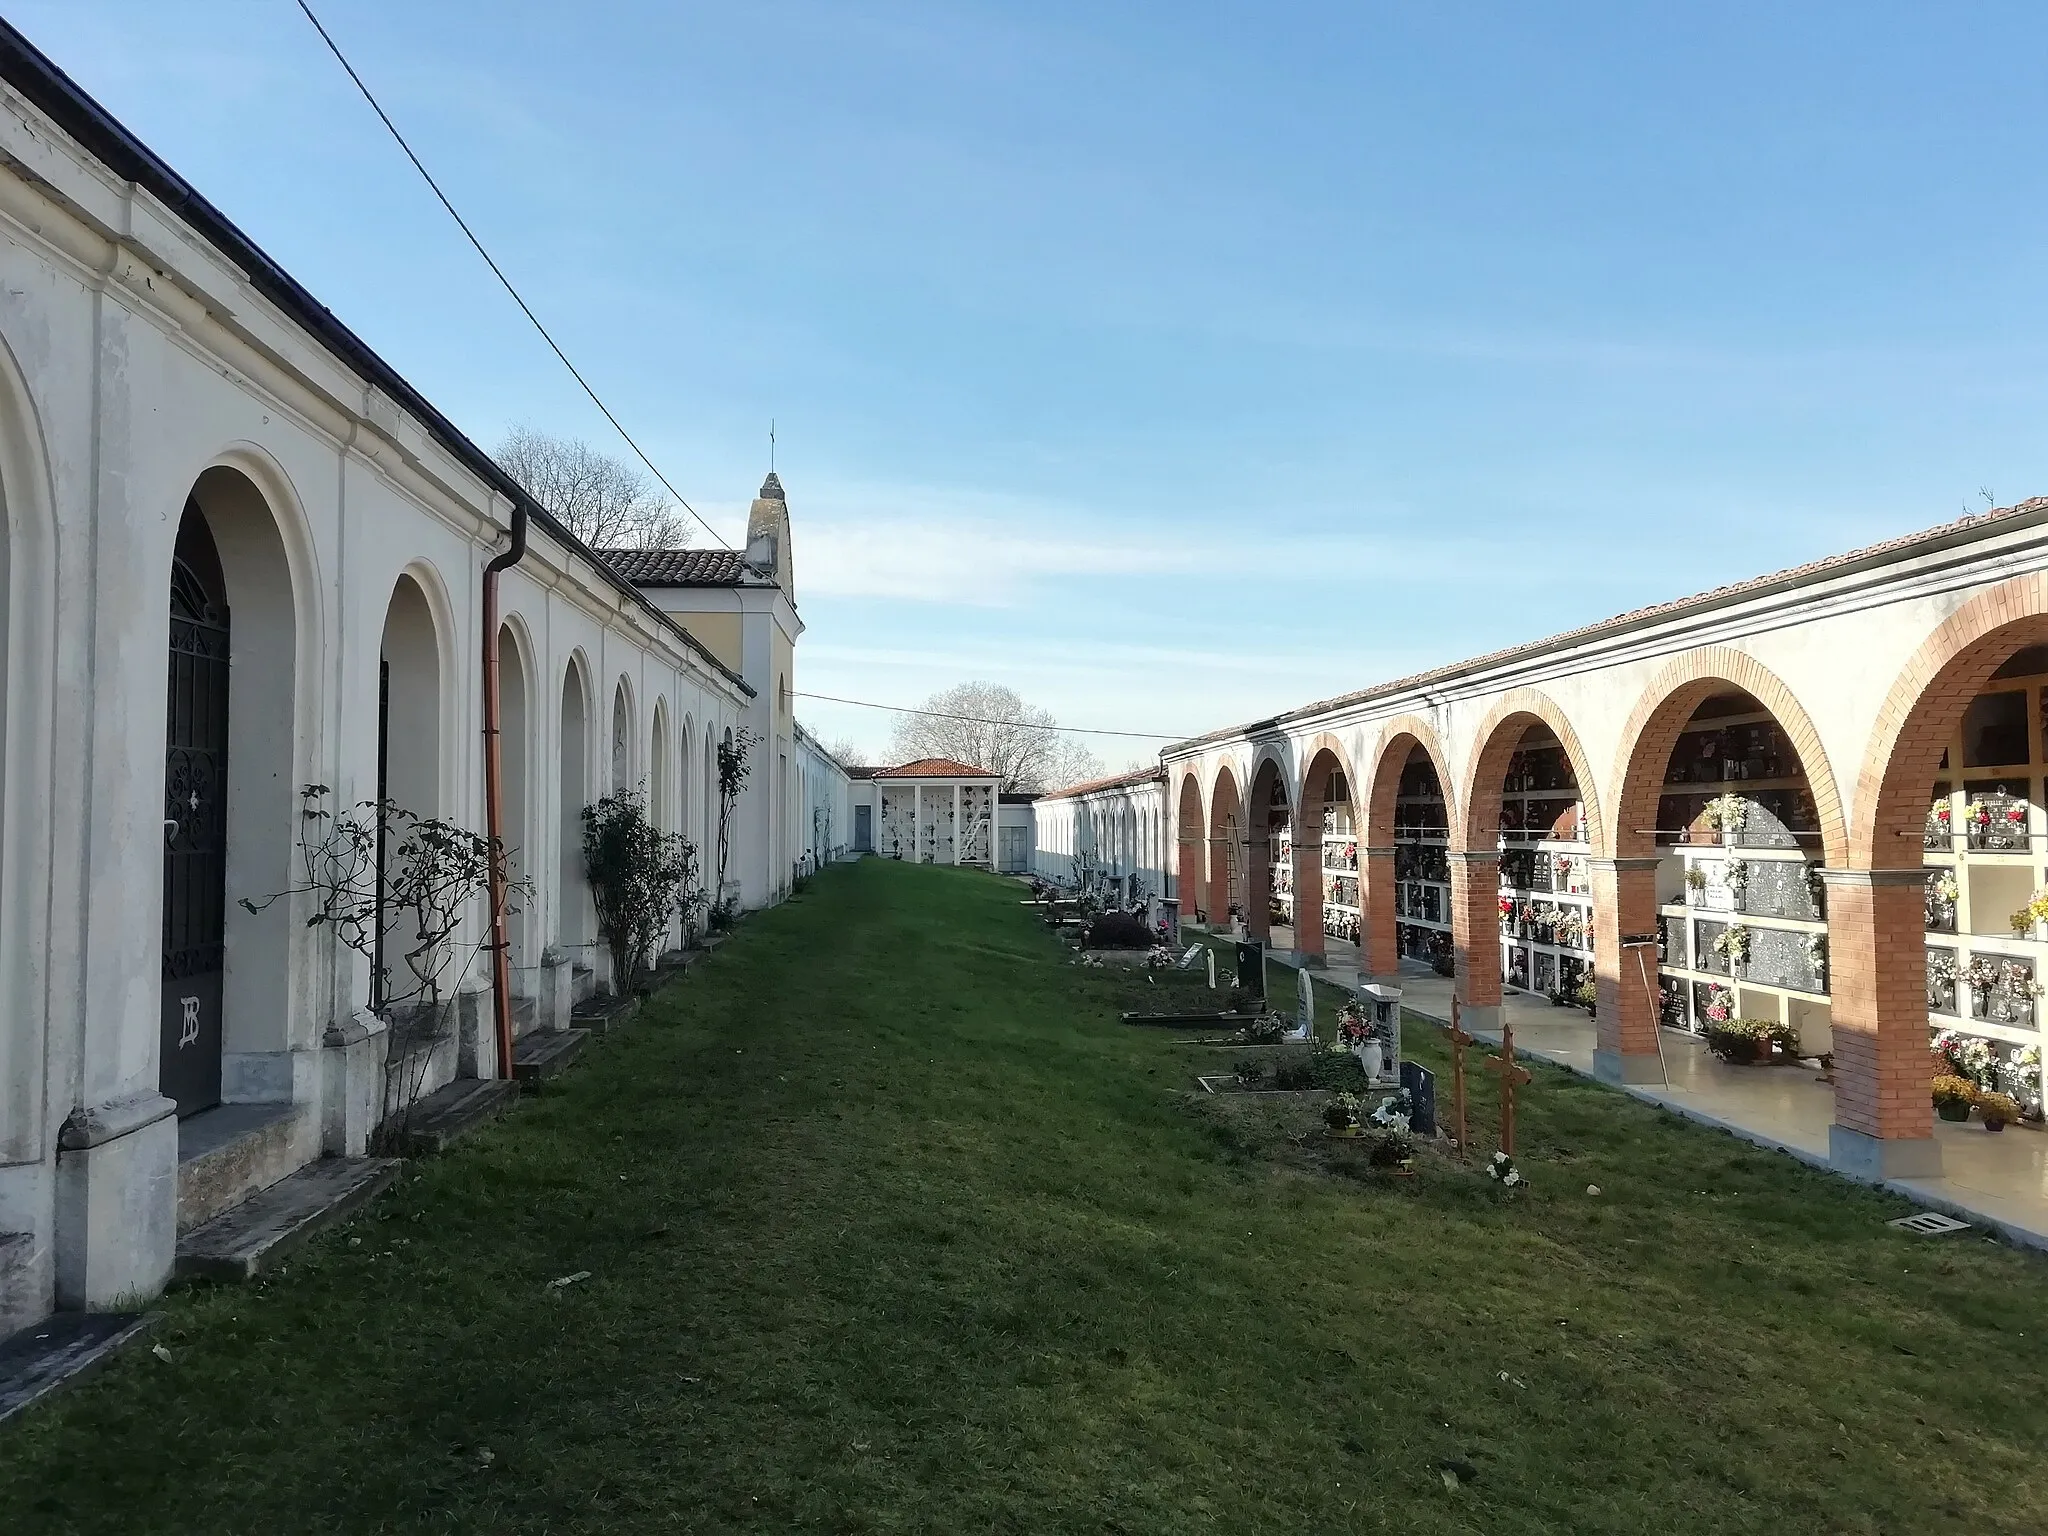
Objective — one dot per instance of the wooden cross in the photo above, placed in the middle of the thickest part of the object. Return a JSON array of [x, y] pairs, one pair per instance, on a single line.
[[1510, 1072], [1459, 1040]]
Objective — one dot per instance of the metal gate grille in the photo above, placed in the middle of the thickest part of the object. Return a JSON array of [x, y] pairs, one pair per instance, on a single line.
[[195, 827]]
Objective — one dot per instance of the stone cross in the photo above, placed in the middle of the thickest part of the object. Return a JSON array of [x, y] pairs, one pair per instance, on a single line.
[[1510, 1072]]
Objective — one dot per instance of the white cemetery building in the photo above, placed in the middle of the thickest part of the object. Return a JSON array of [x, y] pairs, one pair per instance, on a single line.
[[208, 479], [932, 811], [1116, 826]]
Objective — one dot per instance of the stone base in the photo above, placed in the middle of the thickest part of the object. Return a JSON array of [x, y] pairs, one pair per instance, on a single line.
[[229, 1152], [476, 1034], [240, 1243], [1629, 1068], [557, 995], [1479, 1018], [117, 1203], [38, 1360], [1874, 1158], [352, 1084]]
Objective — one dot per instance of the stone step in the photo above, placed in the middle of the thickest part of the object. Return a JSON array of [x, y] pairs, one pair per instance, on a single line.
[[242, 1242], [602, 1015], [448, 1114], [59, 1350], [525, 1011], [232, 1150], [546, 1052], [582, 983]]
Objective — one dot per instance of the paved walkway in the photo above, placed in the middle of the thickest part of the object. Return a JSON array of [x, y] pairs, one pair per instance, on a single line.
[[2000, 1180]]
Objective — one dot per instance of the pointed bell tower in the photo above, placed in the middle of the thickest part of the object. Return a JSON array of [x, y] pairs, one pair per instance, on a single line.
[[768, 551]]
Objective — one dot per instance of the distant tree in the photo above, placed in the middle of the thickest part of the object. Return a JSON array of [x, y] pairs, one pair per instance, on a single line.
[[605, 502], [993, 728], [846, 753]]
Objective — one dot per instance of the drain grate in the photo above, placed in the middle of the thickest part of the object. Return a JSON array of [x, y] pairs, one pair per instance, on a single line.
[[1929, 1224]]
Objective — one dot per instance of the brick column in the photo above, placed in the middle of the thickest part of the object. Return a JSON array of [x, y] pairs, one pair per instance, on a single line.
[[1189, 886], [1308, 899], [1219, 882], [1258, 886], [1379, 955], [1475, 934], [1625, 971], [1877, 973]]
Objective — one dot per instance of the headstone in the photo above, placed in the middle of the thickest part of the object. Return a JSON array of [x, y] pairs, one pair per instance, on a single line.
[[1421, 1085], [1251, 967], [1187, 961], [1169, 914], [1383, 1011], [1212, 968], [1304, 1007]]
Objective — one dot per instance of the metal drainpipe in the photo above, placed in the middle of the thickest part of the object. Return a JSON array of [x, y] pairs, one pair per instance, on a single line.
[[494, 791]]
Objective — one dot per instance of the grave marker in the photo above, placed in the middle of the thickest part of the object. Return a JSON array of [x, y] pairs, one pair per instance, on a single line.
[[1510, 1072]]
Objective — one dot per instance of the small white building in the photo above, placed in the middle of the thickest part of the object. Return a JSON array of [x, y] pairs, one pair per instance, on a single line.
[[1118, 824], [932, 811]]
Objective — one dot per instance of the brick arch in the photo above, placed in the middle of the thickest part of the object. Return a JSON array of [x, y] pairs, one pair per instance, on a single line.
[[1190, 831], [1224, 800], [1269, 768], [1399, 737], [1322, 755], [1921, 711], [1498, 737], [1662, 713]]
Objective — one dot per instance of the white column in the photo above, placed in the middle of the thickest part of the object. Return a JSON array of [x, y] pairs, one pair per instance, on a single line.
[[916, 818], [956, 823]]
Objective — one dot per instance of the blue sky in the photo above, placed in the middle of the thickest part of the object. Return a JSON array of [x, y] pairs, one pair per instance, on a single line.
[[1175, 364]]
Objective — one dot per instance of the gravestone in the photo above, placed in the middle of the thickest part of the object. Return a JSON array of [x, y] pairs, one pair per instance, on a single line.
[[1212, 968], [1169, 914], [1304, 1007], [1383, 1012], [1421, 1085], [1251, 968], [1187, 961]]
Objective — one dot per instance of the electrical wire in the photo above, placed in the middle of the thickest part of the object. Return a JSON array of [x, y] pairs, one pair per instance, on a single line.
[[498, 273], [940, 714]]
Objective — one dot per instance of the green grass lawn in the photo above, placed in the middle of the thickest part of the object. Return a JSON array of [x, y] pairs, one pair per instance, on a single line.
[[891, 1227]]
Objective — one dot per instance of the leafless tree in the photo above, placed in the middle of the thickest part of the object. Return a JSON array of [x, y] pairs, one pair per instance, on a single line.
[[605, 502], [1017, 742]]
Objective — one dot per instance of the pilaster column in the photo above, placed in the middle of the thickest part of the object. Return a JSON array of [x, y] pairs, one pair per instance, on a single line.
[[1627, 1004], [1475, 933], [1877, 973], [1379, 949], [916, 823], [1308, 897], [958, 830]]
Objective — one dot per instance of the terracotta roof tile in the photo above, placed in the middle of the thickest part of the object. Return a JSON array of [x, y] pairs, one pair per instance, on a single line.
[[933, 768], [1117, 781], [677, 567]]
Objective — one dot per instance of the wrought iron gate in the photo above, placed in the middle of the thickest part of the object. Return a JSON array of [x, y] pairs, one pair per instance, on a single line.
[[195, 822]]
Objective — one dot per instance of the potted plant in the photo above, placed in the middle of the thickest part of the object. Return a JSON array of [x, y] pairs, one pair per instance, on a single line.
[[1695, 882], [1997, 1110], [1250, 1073], [1742, 1042], [1340, 1115], [1954, 1097], [1586, 994], [2034, 912], [1726, 815]]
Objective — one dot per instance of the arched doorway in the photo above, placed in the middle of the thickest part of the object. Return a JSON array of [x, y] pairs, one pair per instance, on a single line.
[[195, 821], [1226, 849], [1726, 810], [1952, 840], [1528, 799], [1406, 889], [515, 746], [1191, 840], [408, 757], [231, 784], [1325, 873], [572, 890], [1269, 860]]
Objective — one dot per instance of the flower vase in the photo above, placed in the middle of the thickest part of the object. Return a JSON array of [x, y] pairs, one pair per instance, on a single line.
[[1954, 1112], [1372, 1056]]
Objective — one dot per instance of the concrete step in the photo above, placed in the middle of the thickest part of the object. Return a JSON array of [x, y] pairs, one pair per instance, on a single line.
[[240, 1243], [602, 1015], [232, 1150], [448, 1114], [525, 1013], [546, 1052], [22, 1298], [61, 1349], [582, 983]]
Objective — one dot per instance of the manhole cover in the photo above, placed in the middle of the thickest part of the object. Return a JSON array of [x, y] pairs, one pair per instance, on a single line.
[[1929, 1224]]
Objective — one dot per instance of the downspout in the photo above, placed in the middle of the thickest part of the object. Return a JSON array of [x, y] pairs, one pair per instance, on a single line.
[[494, 791]]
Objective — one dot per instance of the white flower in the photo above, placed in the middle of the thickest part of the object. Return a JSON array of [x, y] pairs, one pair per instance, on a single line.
[[1512, 1180], [1500, 1157]]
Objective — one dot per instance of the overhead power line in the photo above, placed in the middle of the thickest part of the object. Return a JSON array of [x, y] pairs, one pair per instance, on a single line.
[[940, 714], [498, 272]]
